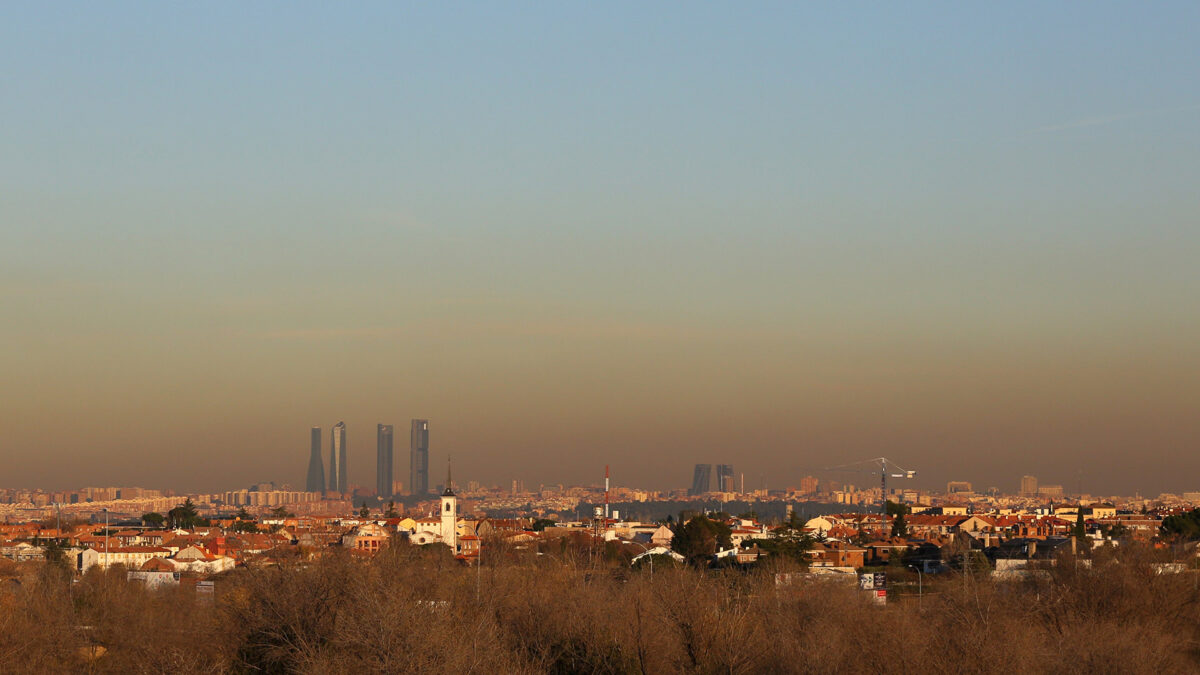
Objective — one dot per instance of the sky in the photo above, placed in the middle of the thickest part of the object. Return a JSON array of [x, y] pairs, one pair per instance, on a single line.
[[783, 236]]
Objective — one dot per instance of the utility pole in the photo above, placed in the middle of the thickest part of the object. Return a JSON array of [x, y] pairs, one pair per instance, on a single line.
[[920, 587]]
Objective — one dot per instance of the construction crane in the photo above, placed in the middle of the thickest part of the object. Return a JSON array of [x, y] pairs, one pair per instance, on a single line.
[[887, 469]]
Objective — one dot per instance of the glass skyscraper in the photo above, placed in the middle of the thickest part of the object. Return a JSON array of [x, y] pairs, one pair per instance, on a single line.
[[702, 479], [383, 461], [316, 469], [418, 460], [337, 459], [725, 478]]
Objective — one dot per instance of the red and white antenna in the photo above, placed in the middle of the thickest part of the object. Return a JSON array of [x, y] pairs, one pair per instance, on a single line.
[[606, 492]]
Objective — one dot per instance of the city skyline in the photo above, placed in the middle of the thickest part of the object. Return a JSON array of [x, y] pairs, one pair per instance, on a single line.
[[785, 236], [751, 333]]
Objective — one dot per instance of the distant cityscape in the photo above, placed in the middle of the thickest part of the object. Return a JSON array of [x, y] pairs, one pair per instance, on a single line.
[[328, 491]]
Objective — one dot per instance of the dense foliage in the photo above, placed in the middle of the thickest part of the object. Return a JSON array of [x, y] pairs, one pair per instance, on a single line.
[[700, 537], [414, 610], [1184, 526]]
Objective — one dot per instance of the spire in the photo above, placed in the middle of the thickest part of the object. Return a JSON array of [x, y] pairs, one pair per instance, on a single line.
[[449, 492]]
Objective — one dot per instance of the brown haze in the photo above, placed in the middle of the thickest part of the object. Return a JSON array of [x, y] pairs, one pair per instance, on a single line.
[[107, 385]]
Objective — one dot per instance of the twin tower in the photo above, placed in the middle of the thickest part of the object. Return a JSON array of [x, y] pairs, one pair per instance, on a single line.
[[418, 462]]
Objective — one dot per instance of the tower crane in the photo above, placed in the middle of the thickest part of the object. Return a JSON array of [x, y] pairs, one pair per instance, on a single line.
[[887, 469]]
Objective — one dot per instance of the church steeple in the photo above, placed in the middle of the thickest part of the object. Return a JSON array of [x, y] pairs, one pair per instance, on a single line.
[[449, 529]]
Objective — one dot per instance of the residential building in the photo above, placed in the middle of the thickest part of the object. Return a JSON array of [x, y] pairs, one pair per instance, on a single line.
[[1050, 491], [809, 485], [1029, 486], [958, 486]]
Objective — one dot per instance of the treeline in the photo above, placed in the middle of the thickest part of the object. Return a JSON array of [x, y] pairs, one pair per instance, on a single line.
[[415, 610]]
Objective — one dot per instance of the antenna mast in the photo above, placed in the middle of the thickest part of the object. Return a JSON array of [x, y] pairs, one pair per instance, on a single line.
[[606, 492]]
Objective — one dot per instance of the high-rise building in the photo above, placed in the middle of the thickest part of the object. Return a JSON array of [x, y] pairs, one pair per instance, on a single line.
[[383, 461], [418, 459], [337, 459], [701, 479], [809, 485], [1029, 486], [725, 481], [316, 468]]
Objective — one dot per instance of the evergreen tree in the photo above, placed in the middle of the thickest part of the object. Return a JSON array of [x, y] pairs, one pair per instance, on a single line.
[[1184, 526], [1080, 530], [245, 526], [185, 516], [899, 527], [700, 537], [789, 541]]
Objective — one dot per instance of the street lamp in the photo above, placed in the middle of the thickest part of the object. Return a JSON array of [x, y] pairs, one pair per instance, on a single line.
[[920, 584], [644, 550]]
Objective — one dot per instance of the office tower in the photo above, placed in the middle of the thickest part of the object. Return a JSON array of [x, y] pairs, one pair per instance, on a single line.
[[1029, 486], [383, 461], [418, 459], [725, 481], [701, 479], [316, 469], [337, 459]]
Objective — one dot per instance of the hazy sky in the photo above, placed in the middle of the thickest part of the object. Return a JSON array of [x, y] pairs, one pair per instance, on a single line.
[[782, 236]]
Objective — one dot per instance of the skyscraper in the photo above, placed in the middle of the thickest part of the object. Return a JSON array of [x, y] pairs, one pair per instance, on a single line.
[[725, 481], [1029, 486], [418, 460], [701, 479], [383, 461], [337, 459], [316, 469]]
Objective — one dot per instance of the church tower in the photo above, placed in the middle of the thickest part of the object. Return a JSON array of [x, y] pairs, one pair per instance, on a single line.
[[449, 531]]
